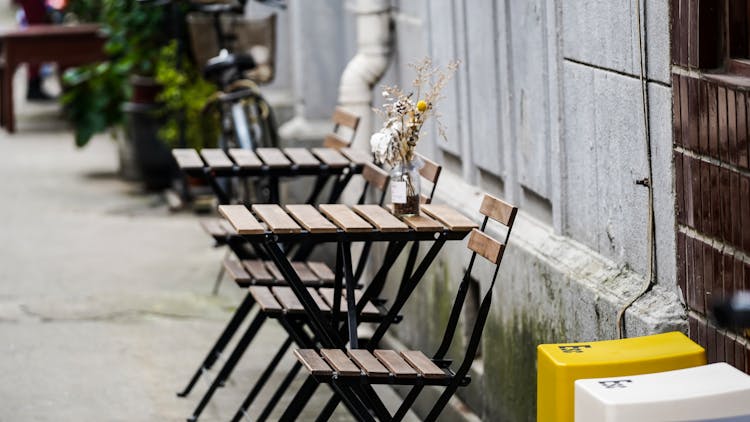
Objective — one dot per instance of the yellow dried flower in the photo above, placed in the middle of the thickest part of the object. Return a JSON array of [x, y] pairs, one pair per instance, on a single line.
[[421, 106]]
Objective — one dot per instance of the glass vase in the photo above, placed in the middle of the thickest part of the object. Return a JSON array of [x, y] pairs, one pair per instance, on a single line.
[[405, 188]]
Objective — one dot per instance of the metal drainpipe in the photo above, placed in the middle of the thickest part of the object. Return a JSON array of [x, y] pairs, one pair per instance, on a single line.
[[366, 68]]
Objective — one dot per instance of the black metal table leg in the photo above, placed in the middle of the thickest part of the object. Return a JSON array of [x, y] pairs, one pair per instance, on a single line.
[[327, 336], [221, 194], [273, 186], [320, 182], [338, 186], [351, 300]]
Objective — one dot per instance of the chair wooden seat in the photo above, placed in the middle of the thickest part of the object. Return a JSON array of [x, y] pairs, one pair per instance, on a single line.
[[256, 272], [377, 367], [282, 300], [218, 228]]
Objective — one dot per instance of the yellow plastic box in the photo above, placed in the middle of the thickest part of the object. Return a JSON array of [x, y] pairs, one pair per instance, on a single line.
[[560, 365]]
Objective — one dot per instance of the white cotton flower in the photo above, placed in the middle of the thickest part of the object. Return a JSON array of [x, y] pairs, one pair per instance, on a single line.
[[379, 143]]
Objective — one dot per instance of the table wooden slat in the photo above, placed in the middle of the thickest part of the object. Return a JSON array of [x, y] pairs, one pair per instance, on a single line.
[[241, 218], [312, 362], [216, 158], [395, 363], [246, 159], [423, 223], [302, 157], [187, 158], [345, 218], [257, 270], [331, 157], [423, 364], [369, 363], [273, 157], [288, 300], [381, 218], [340, 362], [276, 218], [265, 299], [356, 155], [309, 218], [448, 216]]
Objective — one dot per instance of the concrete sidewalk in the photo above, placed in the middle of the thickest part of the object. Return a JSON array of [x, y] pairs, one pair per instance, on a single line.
[[105, 304]]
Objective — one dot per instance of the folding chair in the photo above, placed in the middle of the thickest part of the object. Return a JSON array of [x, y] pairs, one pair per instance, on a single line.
[[265, 281], [351, 373]]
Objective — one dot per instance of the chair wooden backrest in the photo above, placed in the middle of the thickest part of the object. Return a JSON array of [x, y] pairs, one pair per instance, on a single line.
[[430, 171], [379, 179], [374, 177], [341, 118]]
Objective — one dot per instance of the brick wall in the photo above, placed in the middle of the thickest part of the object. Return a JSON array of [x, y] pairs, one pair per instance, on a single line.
[[711, 119]]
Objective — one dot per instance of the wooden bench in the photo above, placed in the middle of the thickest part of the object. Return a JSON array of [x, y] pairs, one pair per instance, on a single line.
[[65, 45]]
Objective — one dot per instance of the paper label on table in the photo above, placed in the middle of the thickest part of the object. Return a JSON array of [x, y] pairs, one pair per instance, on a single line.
[[398, 192]]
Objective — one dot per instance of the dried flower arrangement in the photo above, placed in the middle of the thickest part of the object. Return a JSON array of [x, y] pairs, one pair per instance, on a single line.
[[404, 115]]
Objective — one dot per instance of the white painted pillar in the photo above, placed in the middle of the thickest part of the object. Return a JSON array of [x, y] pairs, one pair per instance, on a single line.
[[368, 65]]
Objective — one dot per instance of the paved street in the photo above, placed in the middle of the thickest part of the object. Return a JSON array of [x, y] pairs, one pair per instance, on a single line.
[[105, 304]]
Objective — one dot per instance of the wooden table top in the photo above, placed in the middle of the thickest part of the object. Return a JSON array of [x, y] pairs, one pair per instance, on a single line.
[[331, 222], [269, 160]]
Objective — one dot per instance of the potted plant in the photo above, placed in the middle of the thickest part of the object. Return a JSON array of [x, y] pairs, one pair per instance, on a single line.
[[147, 87]]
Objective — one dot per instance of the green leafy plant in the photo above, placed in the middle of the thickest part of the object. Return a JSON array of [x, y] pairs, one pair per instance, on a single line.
[[184, 95], [92, 100], [94, 93]]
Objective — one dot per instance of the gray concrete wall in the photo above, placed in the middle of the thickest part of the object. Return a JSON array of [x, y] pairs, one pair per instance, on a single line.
[[547, 112]]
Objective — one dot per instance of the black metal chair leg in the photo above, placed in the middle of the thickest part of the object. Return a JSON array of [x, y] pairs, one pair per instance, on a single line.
[[220, 275], [328, 410], [407, 403], [262, 380], [280, 392], [353, 403], [300, 400], [228, 367], [442, 401], [371, 399], [221, 342]]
